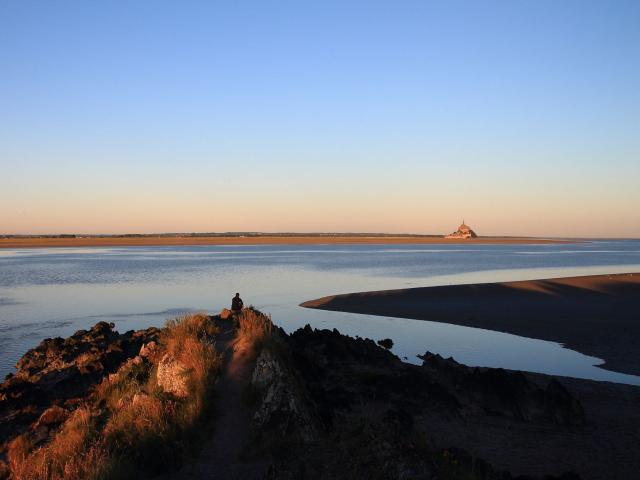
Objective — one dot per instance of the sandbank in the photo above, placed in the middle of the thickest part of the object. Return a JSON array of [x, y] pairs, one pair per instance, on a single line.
[[598, 315]]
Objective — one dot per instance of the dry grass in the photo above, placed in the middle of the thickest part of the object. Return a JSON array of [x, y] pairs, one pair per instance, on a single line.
[[254, 328], [131, 378], [140, 435], [74, 453], [189, 339], [192, 326], [130, 426]]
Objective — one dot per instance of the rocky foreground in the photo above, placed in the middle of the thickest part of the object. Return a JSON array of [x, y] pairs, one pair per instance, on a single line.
[[56, 376], [318, 404]]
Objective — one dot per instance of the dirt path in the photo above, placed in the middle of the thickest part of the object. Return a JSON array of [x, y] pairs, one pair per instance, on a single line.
[[220, 455]]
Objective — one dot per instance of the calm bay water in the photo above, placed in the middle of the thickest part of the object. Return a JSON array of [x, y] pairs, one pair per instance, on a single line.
[[54, 292]]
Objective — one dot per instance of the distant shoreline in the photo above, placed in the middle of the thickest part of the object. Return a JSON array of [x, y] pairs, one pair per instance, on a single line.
[[255, 239], [595, 315]]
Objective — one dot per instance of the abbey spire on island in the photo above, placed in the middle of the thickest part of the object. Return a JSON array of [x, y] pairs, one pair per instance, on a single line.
[[464, 231]]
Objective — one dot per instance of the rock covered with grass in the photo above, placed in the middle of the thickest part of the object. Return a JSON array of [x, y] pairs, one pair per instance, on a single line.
[[61, 372], [124, 420], [323, 405]]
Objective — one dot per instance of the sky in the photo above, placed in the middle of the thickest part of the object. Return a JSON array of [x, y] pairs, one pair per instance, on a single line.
[[522, 117]]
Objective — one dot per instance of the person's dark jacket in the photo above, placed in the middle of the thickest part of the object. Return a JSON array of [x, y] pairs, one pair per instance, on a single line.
[[236, 304]]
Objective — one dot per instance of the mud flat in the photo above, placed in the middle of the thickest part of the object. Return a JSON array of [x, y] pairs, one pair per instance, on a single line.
[[596, 315], [132, 241]]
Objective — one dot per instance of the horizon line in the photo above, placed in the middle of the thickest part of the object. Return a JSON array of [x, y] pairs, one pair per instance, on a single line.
[[283, 234]]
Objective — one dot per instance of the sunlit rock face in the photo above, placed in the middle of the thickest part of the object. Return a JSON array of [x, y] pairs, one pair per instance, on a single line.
[[173, 376], [464, 231]]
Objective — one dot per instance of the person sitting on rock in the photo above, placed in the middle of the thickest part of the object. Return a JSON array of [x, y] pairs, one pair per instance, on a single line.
[[236, 305]]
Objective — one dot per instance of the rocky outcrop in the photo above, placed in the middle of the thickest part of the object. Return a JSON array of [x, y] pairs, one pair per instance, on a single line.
[[368, 409], [59, 373], [149, 350], [324, 405], [341, 372], [173, 376], [284, 406], [495, 391], [51, 418]]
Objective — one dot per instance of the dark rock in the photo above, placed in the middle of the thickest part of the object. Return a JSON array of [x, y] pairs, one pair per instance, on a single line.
[[341, 372], [504, 393], [457, 463], [369, 408], [53, 416], [284, 406]]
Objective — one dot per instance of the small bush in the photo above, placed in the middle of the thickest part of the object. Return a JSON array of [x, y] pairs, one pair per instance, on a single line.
[[386, 343]]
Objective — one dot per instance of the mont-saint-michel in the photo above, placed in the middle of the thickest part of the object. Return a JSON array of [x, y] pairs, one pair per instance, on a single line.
[[464, 231]]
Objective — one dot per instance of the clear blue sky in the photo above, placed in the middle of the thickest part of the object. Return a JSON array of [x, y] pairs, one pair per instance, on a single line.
[[397, 116]]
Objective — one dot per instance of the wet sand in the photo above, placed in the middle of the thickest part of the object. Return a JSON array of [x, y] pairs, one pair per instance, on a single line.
[[605, 448], [148, 241], [597, 315]]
